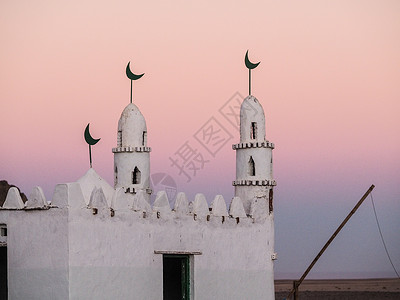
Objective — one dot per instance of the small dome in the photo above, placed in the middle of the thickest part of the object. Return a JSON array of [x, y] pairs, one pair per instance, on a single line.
[[132, 129], [252, 120]]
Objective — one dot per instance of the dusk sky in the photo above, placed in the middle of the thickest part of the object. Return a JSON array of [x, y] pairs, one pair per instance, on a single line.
[[329, 83]]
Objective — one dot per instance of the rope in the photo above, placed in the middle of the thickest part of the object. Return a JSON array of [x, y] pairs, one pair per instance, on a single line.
[[383, 241]]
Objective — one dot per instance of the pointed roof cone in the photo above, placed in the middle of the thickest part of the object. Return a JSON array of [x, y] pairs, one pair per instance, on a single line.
[[98, 199], [36, 198], [218, 207], [91, 180], [13, 199], [200, 206], [161, 204], [181, 204], [236, 208], [140, 203]]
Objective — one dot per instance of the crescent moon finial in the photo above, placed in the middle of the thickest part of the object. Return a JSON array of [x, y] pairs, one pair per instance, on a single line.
[[248, 63], [249, 66], [88, 137], [130, 75], [91, 141]]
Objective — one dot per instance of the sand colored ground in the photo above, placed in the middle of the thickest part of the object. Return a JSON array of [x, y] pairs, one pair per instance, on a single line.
[[373, 289]]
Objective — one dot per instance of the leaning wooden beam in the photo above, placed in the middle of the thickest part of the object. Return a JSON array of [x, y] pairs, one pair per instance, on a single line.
[[297, 283]]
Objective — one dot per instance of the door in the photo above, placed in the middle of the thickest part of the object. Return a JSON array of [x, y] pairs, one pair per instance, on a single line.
[[176, 273]]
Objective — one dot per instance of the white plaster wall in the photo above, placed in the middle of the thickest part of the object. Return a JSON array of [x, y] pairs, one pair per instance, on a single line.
[[251, 111], [262, 161], [103, 257], [238, 266], [132, 124], [113, 257], [248, 192], [263, 171], [126, 163], [37, 250]]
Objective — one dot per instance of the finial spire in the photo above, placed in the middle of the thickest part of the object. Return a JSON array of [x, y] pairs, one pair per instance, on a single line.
[[249, 66], [91, 141], [132, 76]]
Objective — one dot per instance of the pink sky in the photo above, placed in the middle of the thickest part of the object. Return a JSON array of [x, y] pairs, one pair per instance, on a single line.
[[329, 82]]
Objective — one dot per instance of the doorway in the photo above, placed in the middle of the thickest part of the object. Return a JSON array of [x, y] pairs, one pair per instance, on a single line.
[[3, 262], [176, 277]]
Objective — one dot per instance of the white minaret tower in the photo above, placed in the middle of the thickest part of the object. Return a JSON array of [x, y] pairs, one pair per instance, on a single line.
[[254, 181], [132, 156], [253, 154]]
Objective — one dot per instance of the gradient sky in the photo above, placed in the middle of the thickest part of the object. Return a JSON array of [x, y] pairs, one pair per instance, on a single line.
[[329, 82]]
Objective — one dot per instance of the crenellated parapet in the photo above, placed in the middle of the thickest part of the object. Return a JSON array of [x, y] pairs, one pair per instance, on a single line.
[[198, 209], [72, 196], [36, 200]]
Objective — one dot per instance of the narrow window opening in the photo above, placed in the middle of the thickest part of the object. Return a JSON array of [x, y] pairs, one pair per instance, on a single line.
[[115, 175], [3, 235], [119, 138], [144, 138], [176, 277], [253, 130], [271, 196], [136, 174], [252, 167]]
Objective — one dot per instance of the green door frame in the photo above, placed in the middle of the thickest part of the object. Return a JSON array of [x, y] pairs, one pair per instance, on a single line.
[[185, 273]]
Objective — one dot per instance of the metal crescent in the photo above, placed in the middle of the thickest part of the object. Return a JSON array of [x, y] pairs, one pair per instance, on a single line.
[[130, 75], [248, 63], [88, 138]]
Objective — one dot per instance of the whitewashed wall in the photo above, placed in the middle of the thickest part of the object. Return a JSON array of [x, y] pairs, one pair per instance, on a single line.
[[114, 257], [80, 250], [37, 250]]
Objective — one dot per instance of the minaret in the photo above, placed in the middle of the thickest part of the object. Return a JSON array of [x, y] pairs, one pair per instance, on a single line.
[[132, 156], [253, 154]]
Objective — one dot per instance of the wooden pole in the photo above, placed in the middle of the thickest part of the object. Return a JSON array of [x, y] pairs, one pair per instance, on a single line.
[[131, 90], [296, 290], [90, 155], [249, 82], [330, 240]]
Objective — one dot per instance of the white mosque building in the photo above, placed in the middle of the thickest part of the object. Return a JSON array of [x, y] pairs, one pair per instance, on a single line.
[[95, 241]]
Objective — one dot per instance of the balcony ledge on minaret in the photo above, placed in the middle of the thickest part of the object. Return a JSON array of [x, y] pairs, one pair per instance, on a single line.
[[131, 149], [254, 182], [264, 144]]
